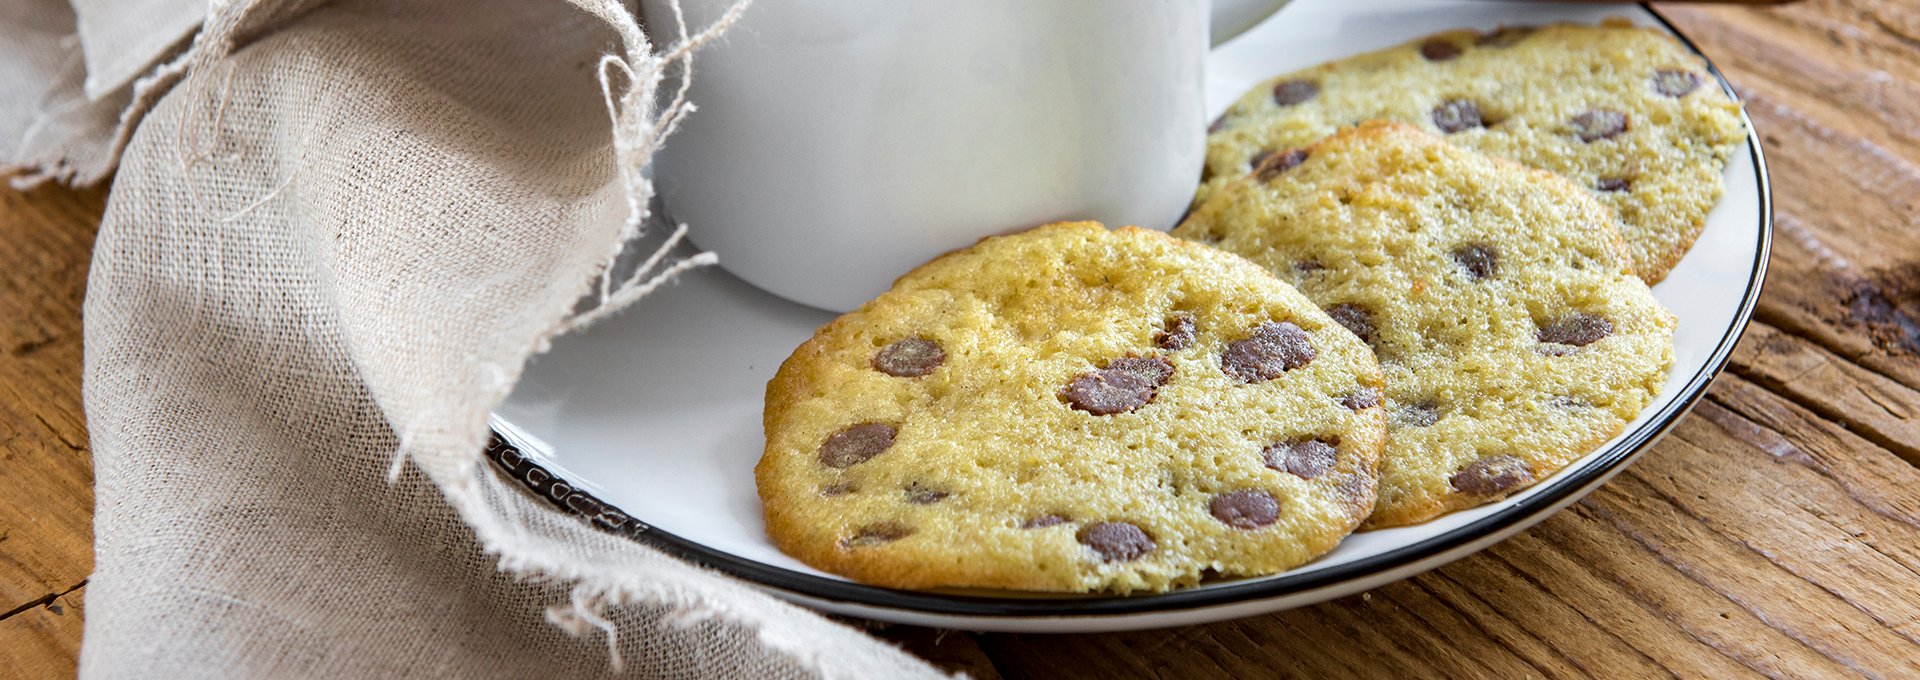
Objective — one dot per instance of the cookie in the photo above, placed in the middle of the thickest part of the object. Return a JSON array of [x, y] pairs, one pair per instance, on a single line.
[[1072, 409], [1499, 300], [1627, 113]]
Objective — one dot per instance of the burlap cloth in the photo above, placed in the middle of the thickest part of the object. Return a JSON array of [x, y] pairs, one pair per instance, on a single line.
[[337, 233]]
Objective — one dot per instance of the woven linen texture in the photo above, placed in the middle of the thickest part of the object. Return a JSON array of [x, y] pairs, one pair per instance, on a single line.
[[336, 236]]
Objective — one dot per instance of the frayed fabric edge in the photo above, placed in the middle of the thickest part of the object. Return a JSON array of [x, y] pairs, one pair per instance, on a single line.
[[451, 454], [62, 165], [27, 174]]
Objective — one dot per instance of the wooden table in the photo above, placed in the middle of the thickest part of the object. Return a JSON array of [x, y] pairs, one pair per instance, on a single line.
[[1775, 532]]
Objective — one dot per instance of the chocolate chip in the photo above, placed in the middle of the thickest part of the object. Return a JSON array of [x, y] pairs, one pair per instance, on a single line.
[[1482, 260], [1117, 541], [1674, 82], [1272, 166], [1457, 115], [1043, 521], [1246, 509], [1124, 385], [1439, 49], [1577, 329], [1178, 333], [1218, 124], [1108, 392], [1362, 398], [838, 489], [1598, 124], [1258, 157], [919, 495], [1306, 459], [1492, 476], [877, 534], [1273, 349], [1295, 92], [855, 445], [1613, 184], [909, 358], [1357, 318], [1308, 266], [1423, 414], [1505, 36]]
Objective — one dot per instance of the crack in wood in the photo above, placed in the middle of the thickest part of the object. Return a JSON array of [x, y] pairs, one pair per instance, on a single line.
[[1355, 626], [1882, 400], [43, 601], [1895, 176], [1903, 628], [1875, 478], [1542, 586], [1664, 552], [1405, 611], [1657, 550], [1752, 433], [1861, 538], [31, 346], [1830, 414], [1472, 593], [1592, 510], [1804, 373], [56, 434], [1892, 31]]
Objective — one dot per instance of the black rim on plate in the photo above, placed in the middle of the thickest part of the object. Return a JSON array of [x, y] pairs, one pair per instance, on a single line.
[[568, 498]]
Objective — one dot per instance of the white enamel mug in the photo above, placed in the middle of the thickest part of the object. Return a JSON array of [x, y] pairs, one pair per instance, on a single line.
[[840, 143]]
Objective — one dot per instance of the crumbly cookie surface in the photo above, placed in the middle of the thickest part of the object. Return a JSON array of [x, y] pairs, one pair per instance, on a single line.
[[1627, 113], [1072, 409], [1499, 300]]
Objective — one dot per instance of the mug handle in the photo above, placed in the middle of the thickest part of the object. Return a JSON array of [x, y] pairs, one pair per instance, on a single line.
[[1233, 17]]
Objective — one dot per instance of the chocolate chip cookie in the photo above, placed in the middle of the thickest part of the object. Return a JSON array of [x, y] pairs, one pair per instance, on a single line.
[[1627, 113], [1499, 300], [1072, 409]]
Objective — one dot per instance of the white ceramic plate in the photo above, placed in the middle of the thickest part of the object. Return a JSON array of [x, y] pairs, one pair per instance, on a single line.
[[657, 413]]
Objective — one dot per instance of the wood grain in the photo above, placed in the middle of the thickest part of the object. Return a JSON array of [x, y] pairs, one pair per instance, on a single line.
[[43, 641], [46, 479], [1874, 406], [1775, 532], [1834, 92]]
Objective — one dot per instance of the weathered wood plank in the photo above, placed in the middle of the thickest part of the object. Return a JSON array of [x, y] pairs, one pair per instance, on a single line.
[[1882, 484], [46, 480], [1575, 580], [1590, 530], [1871, 405], [1783, 540], [43, 642], [1828, 58], [1833, 87]]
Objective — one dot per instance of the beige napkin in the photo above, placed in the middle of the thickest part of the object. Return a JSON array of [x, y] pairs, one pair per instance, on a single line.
[[337, 234], [49, 129]]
